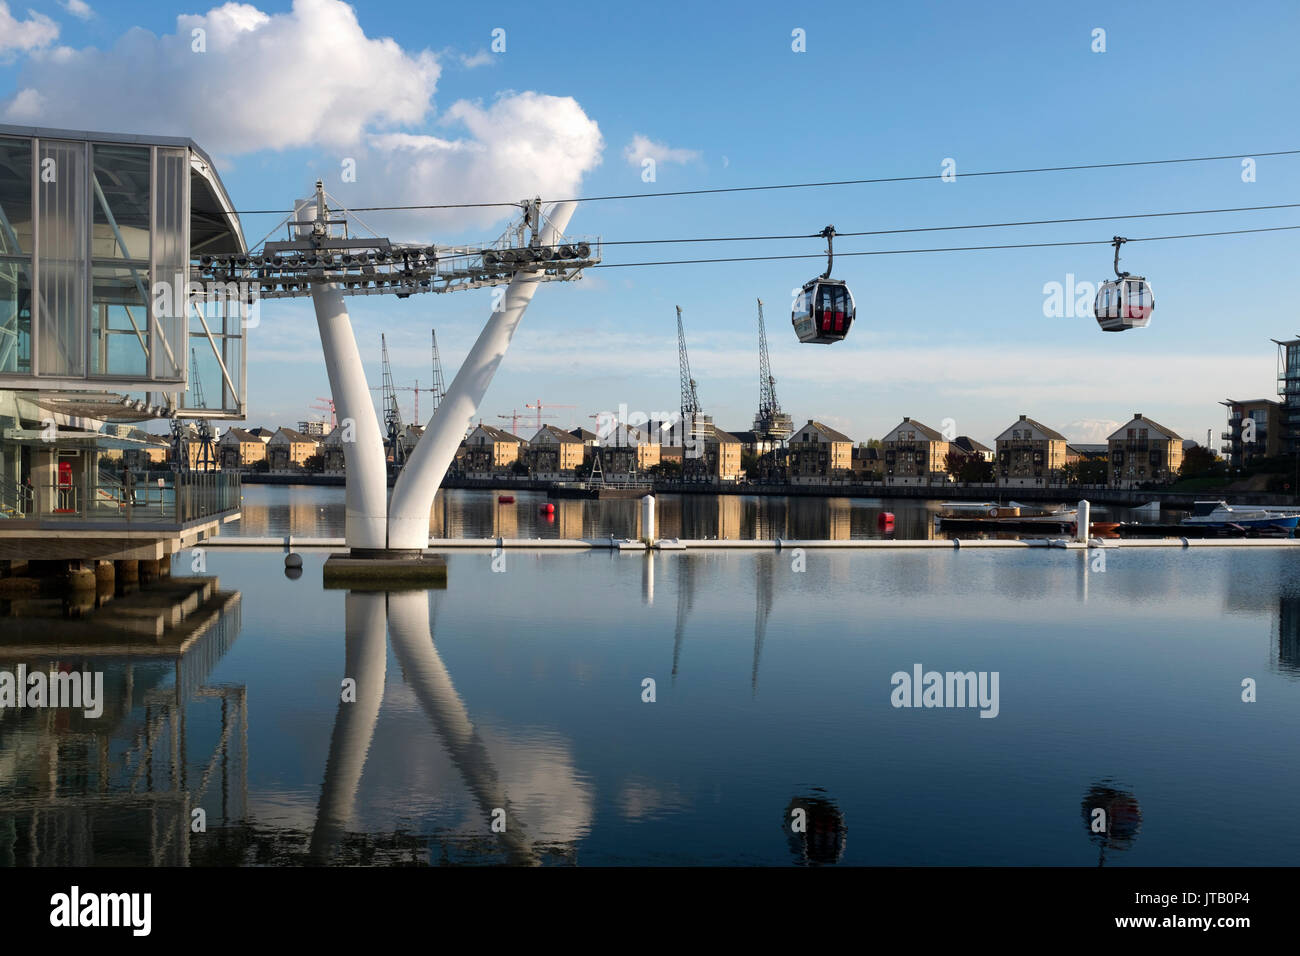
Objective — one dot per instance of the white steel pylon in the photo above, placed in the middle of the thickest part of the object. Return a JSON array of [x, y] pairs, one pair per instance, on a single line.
[[374, 525], [408, 516]]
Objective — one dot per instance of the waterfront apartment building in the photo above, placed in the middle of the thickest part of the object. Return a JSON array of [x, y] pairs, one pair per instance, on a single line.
[[915, 454], [554, 453], [333, 459], [1143, 451], [240, 450], [1255, 430], [721, 454], [866, 463], [1288, 388], [1029, 455], [288, 450], [967, 447], [819, 453], [491, 451], [626, 453]]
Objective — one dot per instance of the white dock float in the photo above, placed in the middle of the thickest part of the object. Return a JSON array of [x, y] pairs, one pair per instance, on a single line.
[[293, 542]]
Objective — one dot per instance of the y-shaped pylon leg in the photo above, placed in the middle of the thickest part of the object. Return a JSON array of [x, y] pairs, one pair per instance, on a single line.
[[408, 513], [363, 446]]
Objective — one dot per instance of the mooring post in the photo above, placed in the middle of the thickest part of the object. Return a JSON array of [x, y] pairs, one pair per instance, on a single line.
[[648, 520], [1083, 521]]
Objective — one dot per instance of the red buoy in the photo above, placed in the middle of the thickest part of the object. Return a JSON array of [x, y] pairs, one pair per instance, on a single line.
[[548, 509], [885, 521]]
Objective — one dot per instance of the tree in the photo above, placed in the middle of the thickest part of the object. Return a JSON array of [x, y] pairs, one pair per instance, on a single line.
[[952, 462], [1199, 462], [975, 469], [314, 464], [1092, 471]]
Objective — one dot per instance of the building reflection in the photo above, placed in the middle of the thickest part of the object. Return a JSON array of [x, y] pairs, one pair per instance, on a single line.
[[125, 787], [1288, 632]]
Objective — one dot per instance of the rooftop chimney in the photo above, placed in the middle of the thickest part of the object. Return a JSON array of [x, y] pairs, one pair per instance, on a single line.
[[1022, 418]]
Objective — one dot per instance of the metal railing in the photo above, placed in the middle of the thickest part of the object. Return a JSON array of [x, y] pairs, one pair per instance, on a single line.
[[162, 497]]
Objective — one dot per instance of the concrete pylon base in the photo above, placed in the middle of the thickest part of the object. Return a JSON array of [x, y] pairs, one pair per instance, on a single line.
[[385, 571]]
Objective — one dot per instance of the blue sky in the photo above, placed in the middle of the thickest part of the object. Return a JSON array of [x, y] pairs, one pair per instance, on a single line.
[[882, 90]]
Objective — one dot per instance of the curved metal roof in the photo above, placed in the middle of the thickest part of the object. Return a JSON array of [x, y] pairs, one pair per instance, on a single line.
[[214, 224]]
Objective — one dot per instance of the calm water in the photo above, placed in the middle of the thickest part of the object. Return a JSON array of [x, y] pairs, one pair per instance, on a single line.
[[522, 690], [317, 511]]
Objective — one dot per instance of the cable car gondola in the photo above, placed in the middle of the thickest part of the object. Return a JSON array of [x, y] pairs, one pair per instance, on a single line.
[[823, 310], [1125, 302]]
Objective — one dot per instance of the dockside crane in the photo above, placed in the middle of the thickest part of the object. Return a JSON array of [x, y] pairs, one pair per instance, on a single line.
[[770, 423], [393, 427], [439, 389], [772, 426], [695, 424]]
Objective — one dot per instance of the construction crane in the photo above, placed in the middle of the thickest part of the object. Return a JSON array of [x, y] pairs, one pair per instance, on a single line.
[[539, 406], [695, 424], [326, 405], [770, 424], [513, 419]]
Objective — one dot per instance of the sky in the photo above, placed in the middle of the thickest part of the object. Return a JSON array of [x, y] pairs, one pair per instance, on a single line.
[[414, 95]]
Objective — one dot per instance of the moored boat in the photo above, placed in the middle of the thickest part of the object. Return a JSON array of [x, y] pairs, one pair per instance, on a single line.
[[1220, 514]]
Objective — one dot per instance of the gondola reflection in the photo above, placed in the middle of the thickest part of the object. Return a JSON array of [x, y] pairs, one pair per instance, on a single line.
[[1112, 816], [815, 829]]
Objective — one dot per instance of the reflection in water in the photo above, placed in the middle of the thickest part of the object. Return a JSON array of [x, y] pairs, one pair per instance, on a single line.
[[686, 576], [1112, 816], [818, 835], [314, 511], [365, 659], [1288, 632], [559, 807], [126, 787], [763, 591]]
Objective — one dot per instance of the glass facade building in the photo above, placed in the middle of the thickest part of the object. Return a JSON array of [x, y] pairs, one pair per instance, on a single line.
[[100, 325], [96, 237]]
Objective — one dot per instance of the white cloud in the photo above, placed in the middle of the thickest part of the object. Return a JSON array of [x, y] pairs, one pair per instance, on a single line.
[[307, 77], [642, 147], [481, 58], [312, 78], [78, 8], [35, 32], [524, 144], [1089, 431]]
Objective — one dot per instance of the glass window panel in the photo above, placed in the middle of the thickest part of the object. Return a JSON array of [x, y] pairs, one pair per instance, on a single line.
[[15, 196], [15, 316], [61, 227], [121, 196], [119, 333], [171, 262]]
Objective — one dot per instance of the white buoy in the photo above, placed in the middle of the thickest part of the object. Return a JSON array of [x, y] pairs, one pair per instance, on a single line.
[[1082, 521], [648, 519]]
